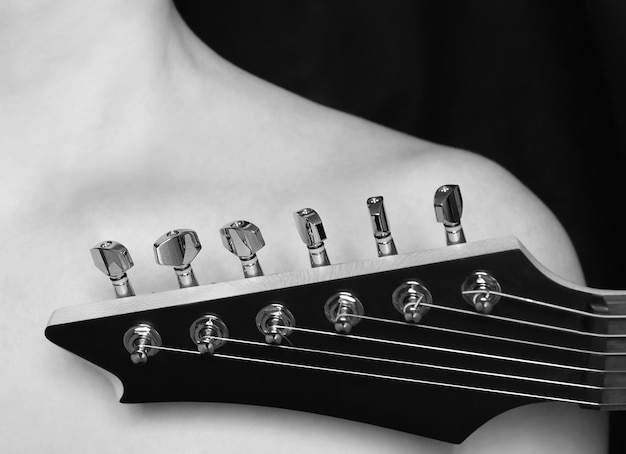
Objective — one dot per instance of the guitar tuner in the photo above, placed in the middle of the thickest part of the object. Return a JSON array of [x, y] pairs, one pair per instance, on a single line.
[[411, 299], [178, 248], [138, 340], [448, 210], [275, 322], [382, 234], [244, 239], [113, 259], [478, 291], [344, 311], [209, 333], [311, 230]]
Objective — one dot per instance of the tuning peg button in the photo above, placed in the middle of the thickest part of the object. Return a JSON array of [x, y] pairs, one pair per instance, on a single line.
[[178, 248], [311, 230], [384, 241], [113, 259], [448, 210], [244, 239]]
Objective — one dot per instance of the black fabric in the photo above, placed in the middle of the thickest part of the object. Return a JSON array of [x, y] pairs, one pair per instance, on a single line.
[[536, 85]]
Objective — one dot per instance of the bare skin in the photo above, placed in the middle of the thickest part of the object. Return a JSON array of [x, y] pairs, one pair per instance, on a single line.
[[116, 123]]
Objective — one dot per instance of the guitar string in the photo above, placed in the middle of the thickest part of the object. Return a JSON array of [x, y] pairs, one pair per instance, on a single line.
[[427, 365], [500, 318], [488, 336], [391, 377], [526, 322], [441, 349], [417, 381], [393, 361], [174, 350], [543, 304], [433, 348], [447, 368], [415, 364], [452, 350], [350, 372]]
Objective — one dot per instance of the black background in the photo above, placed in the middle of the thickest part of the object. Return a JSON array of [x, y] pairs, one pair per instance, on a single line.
[[537, 86]]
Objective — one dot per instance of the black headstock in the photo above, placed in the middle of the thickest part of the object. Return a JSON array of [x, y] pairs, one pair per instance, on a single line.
[[442, 377]]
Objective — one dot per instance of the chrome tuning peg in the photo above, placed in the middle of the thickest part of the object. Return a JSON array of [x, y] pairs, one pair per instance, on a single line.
[[113, 259], [448, 210], [311, 230], [384, 241], [178, 248], [244, 239]]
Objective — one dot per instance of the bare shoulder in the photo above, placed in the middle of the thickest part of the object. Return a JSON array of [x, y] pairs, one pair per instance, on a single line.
[[354, 158], [292, 152]]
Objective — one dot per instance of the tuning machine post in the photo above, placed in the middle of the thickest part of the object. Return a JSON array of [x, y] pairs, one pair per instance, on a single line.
[[244, 239], [481, 291], [448, 210], [344, 311], [380, 226], [311, 231], [275, 322], [412, 300], [178, 248], [209, 333], [138, 341], [114, 260]]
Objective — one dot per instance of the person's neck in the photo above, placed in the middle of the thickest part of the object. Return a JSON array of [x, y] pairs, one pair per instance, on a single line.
[[46, 41], [84, 83], [74, 75]]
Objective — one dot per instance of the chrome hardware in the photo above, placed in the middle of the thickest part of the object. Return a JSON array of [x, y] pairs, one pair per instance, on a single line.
[[448, 210], [178, 248], [311, 230], [138, 341], [274, 322], [340, 310], [380, 226], [244, 239], [113, 259], [209, 333], [484, 283], [409, 299]]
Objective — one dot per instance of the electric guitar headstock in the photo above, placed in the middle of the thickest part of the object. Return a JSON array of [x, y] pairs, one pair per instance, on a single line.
[[434, 343]]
